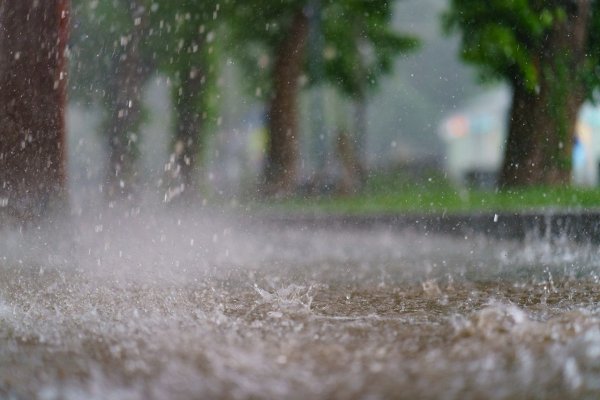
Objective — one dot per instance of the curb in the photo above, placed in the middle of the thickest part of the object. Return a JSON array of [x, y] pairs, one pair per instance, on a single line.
[[581, 227]]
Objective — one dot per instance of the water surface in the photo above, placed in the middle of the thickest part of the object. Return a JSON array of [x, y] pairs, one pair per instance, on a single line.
[[172, 306]]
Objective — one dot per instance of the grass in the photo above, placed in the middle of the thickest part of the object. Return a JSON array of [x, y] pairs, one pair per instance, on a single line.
[[397, 193]]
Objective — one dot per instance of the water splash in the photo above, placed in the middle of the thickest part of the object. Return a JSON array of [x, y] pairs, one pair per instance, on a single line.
[[151, 306]]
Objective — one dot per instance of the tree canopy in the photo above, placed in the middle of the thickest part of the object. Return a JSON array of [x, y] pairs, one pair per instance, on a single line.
[[355, 45], [548, 52], [358, 43]]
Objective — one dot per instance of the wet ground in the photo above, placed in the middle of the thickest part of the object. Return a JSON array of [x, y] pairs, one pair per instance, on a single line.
[[179, 307]]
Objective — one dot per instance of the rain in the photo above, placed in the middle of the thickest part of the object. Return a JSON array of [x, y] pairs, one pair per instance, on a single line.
[[323, 199]]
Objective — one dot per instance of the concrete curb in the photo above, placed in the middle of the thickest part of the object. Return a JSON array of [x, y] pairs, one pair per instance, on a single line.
[[576, 226]]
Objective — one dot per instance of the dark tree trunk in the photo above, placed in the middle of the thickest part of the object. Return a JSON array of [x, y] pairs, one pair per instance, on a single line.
[[350, 181], [282, 151], [125, 108], [553, 132], [361, 111], [517, 169], [33, 38], [543, 122], [183, 166]]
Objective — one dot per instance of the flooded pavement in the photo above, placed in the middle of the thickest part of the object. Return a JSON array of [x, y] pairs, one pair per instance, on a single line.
[[167, 306]]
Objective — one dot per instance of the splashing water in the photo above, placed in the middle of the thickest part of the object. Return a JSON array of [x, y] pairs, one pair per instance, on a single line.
[[164, 305]]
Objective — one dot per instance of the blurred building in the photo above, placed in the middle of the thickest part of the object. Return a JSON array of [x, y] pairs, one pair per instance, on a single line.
[[474, 139]]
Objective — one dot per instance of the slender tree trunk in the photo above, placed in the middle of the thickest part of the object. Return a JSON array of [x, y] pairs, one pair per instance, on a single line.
[[183, 166], [33, 38], [282, 152], [125, 108], [361, 114], [352, 170], [543, 123]]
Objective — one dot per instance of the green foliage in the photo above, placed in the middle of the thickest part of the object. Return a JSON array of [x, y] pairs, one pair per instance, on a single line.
[[179, 39], [549, 48], [502, 37], [358, 43], [592, 61], [178, 36], [92, 46], [183, 42], [182, 33], [398, 193], [99, 28], [255, 30]]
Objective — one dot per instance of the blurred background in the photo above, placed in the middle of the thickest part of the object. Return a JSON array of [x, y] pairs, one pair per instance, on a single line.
[[303, 100]]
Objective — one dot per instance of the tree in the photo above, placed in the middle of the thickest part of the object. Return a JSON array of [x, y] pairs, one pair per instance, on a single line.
[[361, 48], [33, 38], [547, 52], [280, 31], [114, 65], [185, 52], [120, 44], [270, 37], [282, 153], [125, 97]]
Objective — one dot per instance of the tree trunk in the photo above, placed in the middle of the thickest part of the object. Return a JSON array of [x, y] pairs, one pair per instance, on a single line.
[[182, 168], [33, 38], [125, 109], [543, 123], [553, 131], [517, 169], [350, 181], [282, 151], [562, 93], [361, 115]]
